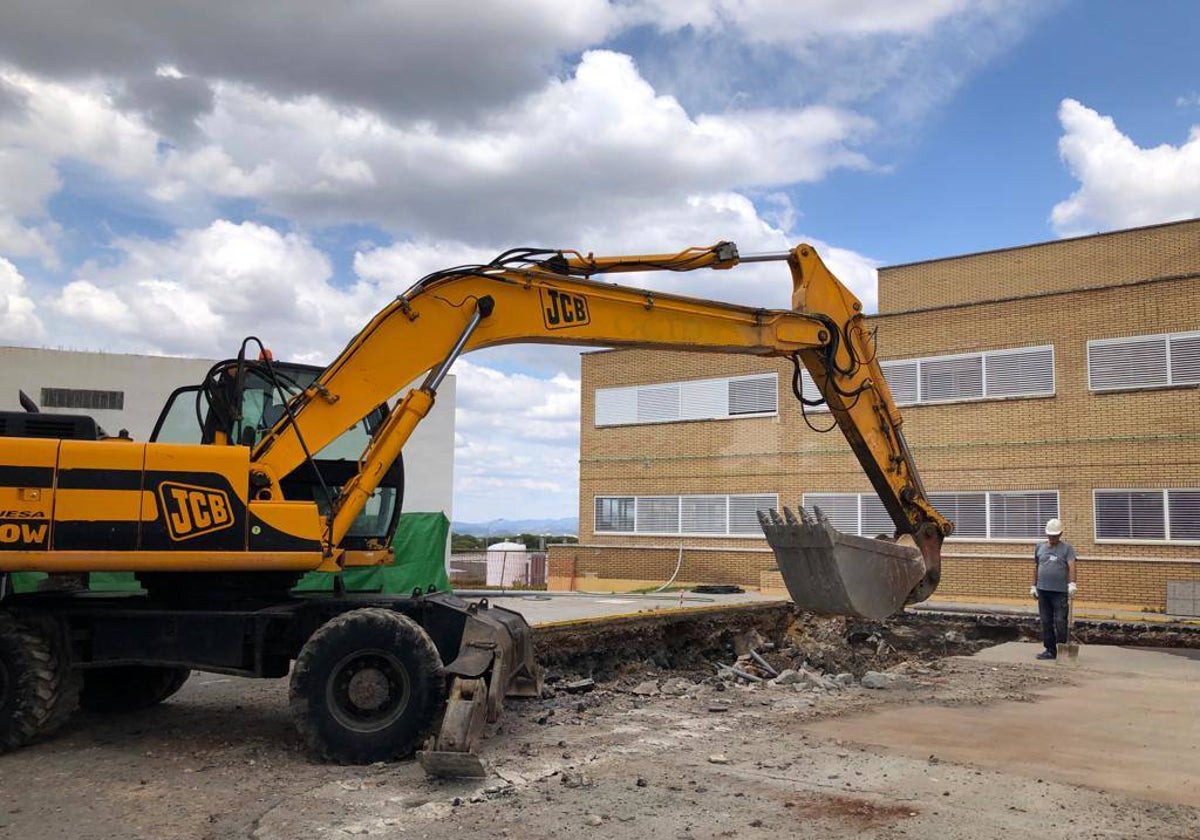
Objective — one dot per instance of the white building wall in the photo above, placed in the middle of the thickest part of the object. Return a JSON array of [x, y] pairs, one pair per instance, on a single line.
[[146, 381]]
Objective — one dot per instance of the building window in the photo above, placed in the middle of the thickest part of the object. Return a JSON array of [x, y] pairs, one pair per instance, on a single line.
[[995, 374], [695, 515], [977, 515], [1145, 361], [1147, 515], [615, 513], [699, 399], [81, 398]]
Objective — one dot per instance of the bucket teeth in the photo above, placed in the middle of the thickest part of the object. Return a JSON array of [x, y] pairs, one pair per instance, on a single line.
[[832, 573]]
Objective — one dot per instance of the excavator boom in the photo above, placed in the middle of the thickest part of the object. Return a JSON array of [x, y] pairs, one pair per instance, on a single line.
[[551, 297]]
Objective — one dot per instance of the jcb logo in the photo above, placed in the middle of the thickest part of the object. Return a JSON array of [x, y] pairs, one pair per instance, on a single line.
[[192, 511], [23, 533], [560, 309]]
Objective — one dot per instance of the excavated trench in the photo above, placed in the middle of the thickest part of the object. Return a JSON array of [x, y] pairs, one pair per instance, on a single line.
[[693, 641]]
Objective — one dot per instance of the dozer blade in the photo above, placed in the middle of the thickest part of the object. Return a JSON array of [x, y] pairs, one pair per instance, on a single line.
[[832, 573], [495, 660]]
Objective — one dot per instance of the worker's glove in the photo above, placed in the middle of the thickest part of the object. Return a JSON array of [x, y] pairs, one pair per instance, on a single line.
[[1070, 588], [1033, 592]]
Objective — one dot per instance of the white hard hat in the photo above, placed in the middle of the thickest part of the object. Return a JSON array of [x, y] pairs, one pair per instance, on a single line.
[[1054, 527]]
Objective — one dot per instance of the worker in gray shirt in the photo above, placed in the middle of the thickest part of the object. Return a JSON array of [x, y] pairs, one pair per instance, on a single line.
[[1053, 584]]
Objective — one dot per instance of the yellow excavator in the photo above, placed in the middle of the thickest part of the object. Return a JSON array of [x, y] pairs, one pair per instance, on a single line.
[[240, 491]]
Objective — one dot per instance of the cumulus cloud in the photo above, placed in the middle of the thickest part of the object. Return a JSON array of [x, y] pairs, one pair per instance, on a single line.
[[516, 433], [1120, 183], [200, 293], [19, 322]]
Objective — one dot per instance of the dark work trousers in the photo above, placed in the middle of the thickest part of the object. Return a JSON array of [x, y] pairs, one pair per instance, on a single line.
[[1052, 607]]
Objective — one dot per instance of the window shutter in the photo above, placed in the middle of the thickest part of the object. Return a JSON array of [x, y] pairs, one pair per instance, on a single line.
[[1024, 372], [952, 379], [753, 395], [1129, 515], [1122, 364], [968, 511], [658, 515], [616, 406], [743, 512], [658, 404], [1021, 515], [1184, 508], [703, 399], [703, 514], [902, 380], [841, 509], [875, 518], [1185, 359]]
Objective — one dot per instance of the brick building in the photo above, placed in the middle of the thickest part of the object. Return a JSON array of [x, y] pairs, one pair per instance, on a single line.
[[1056, 379]]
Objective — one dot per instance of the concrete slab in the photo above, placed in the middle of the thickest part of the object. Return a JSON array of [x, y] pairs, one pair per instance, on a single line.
[[549, 608], [1130, 725]]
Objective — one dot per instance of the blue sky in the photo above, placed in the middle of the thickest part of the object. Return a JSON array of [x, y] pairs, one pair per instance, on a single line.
[[173, 178]]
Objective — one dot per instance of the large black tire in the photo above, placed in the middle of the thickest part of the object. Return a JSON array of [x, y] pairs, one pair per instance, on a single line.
[[38, 689], [130, 688], [366, 687]]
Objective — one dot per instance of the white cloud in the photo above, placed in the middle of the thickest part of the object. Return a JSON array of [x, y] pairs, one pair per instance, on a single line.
[[1121, 183], [515, 434], [203, 291], [19, 323]]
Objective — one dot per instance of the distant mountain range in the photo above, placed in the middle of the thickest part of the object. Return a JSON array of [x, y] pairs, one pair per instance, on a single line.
[[499, 527]]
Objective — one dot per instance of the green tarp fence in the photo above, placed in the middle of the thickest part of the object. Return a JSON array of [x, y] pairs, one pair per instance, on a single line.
[[420, 562]]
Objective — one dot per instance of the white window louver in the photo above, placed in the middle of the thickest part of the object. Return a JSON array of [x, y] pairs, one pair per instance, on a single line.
[[1124, 364], [959, 378], [658, 404], [902, 378], [704, 514], [841, 509], [968, 512], [698, 515], [1023, 372], [743, 512], [703, 399], [700, 399], [1147, 515], [753, 395], [1184, 514], [1020, 515], [873, 517], [1130, 515], [1185, 359], [657, 515], [616, 406]]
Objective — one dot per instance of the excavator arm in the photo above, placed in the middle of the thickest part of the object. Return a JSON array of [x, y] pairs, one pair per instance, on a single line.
[[553, 298]]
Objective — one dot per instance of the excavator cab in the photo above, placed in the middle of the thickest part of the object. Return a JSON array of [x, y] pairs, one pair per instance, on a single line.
[[250, 402]]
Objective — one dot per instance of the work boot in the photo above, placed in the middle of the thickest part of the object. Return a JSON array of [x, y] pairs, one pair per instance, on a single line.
[[1047, 654]]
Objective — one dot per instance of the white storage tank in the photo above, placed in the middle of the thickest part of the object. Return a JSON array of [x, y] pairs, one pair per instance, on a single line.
[[507, 564]]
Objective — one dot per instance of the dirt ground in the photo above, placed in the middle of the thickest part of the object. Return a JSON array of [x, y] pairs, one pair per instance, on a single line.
[[655, 752]]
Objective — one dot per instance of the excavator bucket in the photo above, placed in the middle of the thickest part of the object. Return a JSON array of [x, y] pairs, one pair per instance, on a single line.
[[831, 573]]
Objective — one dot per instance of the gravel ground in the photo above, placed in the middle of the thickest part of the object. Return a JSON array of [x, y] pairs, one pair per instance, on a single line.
[[220, 760]]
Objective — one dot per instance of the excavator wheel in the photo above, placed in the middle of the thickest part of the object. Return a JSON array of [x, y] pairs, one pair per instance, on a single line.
[[130, 688], [366, 687], [38, 689]]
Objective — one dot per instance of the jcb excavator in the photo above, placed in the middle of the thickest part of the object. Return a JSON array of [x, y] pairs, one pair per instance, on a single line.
[[239, 492]]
